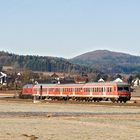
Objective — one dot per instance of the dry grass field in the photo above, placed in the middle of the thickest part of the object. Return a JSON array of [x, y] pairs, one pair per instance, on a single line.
[[25, 120], [21, 120]]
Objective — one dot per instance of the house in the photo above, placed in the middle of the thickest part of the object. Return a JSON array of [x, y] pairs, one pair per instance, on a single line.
[[55, 78], [118, 80], [136, 82], [7, 68], [80, 79], [101, 80], [3, 78]]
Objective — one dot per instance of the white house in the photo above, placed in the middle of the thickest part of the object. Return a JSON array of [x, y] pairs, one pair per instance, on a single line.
[[3, 77], [118, 80], [136, 82], [101, 80]]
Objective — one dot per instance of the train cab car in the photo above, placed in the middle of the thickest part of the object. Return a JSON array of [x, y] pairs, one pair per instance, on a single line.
[[124, 92], [27, 91], [116, 92]]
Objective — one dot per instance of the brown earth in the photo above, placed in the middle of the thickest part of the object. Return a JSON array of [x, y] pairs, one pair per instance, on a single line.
[[27, 121]]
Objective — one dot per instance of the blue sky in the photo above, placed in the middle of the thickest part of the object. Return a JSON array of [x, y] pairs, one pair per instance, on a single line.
[[67, 28]]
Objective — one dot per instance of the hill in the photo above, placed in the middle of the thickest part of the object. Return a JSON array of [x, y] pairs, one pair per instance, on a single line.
[[109, 62], [41, 63]]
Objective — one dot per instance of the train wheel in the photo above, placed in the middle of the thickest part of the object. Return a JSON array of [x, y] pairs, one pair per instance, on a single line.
[[112, 100], [124, 100], [94, 100], [120, 101]]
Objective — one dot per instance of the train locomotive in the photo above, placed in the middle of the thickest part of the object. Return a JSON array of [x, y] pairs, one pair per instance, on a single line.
[[105, 91]]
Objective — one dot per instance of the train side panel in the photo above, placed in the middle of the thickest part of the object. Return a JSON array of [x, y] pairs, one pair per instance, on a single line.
[[110, 90]]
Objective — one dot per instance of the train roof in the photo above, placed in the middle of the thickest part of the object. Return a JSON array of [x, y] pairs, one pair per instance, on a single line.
[[83, 85]]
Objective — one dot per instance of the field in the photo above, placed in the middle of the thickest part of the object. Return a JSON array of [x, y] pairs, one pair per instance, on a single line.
[[25, 120]]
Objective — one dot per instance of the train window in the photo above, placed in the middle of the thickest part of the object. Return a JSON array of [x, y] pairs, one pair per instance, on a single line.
[[87, 89], [49, 89], [101, 89], [120, 88], [108, 89], [126, 88], [69, 90], [123, 88], [64, 89], [77, 89], [95, 89], [57, 90]]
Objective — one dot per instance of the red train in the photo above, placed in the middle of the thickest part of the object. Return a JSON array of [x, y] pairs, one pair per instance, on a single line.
[[116, 92]]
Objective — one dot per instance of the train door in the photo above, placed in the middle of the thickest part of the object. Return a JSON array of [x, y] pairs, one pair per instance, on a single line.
[[104, 91], [38, 91], [61, 91], [73, 91]]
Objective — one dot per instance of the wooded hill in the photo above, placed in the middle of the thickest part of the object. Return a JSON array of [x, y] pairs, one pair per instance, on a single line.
[[40, 63], [105, 61], [109, 62]]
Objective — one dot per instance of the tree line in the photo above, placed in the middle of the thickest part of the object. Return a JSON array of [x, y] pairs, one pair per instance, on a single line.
[[41, 63]]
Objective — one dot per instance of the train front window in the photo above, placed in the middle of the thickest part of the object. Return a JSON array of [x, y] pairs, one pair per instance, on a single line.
[[123, 88], [126, 88]]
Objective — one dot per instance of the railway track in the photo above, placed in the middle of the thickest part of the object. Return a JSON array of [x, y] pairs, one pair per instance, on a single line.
[[106, 103], [60, 114]]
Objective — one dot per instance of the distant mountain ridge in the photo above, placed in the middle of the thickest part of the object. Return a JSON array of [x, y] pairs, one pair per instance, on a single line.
[[96, 61], [41, 63], [109, 61]]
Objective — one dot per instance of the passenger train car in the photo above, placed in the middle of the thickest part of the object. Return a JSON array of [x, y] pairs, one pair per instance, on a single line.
[[116, 92]]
